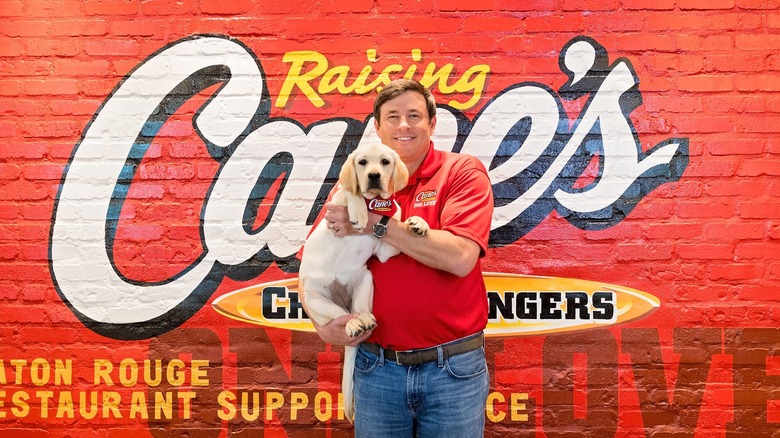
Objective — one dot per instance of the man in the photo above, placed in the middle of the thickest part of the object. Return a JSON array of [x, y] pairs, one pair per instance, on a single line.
[[421, 372]]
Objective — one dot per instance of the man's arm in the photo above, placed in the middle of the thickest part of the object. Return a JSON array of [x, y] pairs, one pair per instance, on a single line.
[[335, 332], [439, 249]]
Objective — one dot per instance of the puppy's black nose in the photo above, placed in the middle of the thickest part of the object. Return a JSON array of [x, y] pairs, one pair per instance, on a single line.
[[374, 176]]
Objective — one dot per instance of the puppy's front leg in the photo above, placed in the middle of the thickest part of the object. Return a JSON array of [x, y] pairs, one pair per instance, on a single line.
[[362, 302], [358, 212]]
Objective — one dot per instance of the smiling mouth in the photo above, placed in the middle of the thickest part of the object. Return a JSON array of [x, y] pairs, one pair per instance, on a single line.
[[404, 138]]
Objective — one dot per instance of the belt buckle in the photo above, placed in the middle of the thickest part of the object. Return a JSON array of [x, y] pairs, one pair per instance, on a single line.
[[398, 356]]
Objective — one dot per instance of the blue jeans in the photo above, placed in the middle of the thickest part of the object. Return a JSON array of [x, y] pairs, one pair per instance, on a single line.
[[444, 398]]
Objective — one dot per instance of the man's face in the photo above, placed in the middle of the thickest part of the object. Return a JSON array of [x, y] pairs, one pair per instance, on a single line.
[[404, 126]]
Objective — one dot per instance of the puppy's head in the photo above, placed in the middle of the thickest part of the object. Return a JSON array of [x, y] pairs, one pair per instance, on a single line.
[[373, 170]]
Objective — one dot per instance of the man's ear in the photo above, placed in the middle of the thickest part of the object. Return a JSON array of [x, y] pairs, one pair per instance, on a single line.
[[400, 174], [348, 176]]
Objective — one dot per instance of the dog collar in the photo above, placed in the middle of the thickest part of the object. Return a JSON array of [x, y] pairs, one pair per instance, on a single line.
[[384, 207]]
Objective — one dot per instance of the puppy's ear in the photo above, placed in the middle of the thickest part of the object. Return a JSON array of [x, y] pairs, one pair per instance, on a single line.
[[400, 174], [348, 176]]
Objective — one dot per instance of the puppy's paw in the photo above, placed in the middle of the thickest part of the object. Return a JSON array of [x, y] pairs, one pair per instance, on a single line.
[[357, 326], [359, 221], [367, 320], [418, 225]]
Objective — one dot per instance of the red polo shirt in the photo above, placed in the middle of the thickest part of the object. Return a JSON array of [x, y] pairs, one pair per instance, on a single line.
[[417, 306]]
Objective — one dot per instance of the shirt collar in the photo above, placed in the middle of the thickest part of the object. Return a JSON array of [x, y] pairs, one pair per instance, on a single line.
[[431, 163]]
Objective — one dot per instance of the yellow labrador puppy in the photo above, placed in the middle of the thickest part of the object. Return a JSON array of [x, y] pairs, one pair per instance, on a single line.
[[333, 274]]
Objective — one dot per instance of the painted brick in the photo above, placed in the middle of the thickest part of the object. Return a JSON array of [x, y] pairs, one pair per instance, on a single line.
[[315, 26], [111, 48], [110, 7], [440, 25], [26, 28], [11, 8], [674, 231], [742, 231], [568, 22], [706, 251], [466, 5], [734, 271], [706, 4], [78, 28], [492, 24], [226, 8], [648, 4], [758, 4], [341, 6], [760, 211]]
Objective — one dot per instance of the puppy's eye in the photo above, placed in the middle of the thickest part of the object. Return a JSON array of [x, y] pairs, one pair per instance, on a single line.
[[363, 162], [385, 161]]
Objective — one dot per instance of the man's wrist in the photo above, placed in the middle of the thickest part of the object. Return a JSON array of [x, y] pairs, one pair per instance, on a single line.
[[380, 228]]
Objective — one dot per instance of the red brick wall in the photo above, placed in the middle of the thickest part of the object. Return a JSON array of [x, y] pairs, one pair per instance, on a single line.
[[699, 233]]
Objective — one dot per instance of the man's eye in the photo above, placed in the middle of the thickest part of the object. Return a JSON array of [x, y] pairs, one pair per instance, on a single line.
[[363, 162]]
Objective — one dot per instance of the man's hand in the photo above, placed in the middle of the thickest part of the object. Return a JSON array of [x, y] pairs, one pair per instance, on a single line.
[[335, 332], [337, 219]]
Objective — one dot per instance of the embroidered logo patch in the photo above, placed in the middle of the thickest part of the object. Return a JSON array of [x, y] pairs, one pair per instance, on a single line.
[[426, 198]]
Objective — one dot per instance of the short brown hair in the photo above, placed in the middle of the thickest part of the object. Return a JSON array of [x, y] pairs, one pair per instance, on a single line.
[[399, 87]]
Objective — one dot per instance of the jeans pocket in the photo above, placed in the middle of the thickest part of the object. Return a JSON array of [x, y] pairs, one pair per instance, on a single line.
[[365, 362], [467, 365]]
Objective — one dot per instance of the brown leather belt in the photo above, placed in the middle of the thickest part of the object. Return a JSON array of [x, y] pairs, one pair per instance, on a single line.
[[419, 357]]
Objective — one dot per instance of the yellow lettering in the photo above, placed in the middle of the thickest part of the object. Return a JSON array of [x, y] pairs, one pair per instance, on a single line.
[[157, 379], [2, 373], [21, 408], [255, 413], [296, 79], [102, 373], [517, 407], [310, 73], [93, 410], [163, 405], [199, 377], [138, 405], [226, 400], [298, 401], [40, 371], [328, 83], [186, 397], [18, 364], [131, 366], [341, 406], [323, 414], [175, 374], [44, 397], [65, 405], [416, 56], [468, 85], [273, 400], [111, 401], [63, 372], [490, 410]]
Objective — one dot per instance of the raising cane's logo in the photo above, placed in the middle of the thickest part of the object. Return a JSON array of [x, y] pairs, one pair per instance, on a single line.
[[425, 198], [533, 152]]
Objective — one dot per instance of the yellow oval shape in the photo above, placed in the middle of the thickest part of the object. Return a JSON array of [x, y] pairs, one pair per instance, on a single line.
[[518, 305]]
